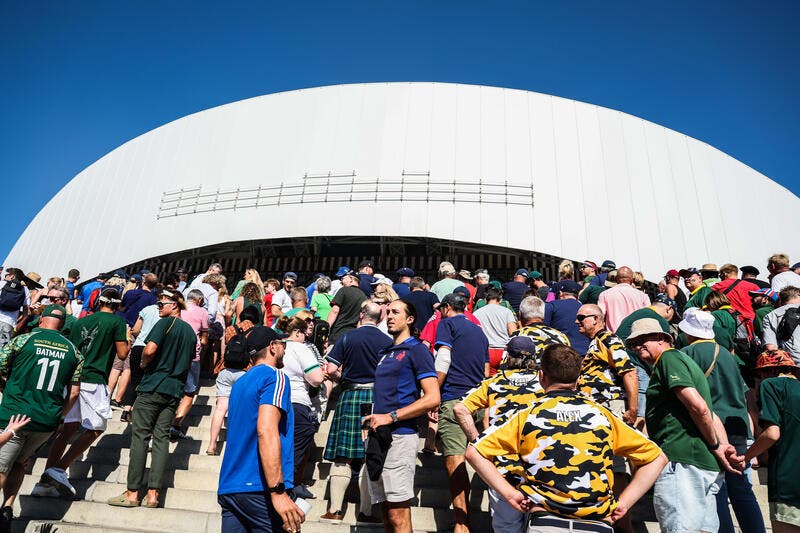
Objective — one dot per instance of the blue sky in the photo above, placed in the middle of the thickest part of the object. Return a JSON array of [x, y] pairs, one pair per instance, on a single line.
[[77, 79]]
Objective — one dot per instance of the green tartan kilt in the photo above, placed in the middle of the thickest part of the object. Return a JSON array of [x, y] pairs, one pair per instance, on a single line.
[[344, 438]]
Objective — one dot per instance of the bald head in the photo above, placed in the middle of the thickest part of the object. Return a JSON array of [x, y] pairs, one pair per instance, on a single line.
[[590, 320], [624, 275], [370, 313]]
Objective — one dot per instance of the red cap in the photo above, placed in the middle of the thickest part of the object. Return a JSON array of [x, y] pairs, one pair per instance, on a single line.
[[673, 273]]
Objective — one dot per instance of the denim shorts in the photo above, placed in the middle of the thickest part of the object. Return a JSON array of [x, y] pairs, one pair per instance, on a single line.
[[192, 379], [684, 498]]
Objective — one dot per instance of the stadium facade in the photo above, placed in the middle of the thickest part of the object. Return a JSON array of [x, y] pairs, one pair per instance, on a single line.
[[410, 173]]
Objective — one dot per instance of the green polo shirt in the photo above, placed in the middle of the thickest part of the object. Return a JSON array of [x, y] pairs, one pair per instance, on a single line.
[[624, 330], [668, 421], [780, 400], [166, 373], [697, 298]]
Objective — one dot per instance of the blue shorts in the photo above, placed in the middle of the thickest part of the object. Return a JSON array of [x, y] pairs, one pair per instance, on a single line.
[[248, 512], [192, 379]]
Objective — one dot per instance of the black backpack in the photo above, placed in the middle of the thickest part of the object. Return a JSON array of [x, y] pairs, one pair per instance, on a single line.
[[789, 322], [321, 332], [236, 354], [12, 295]]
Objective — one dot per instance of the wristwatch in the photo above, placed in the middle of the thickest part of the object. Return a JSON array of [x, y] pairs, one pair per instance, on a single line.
[[280, 488], [714, 447], [394, 416]]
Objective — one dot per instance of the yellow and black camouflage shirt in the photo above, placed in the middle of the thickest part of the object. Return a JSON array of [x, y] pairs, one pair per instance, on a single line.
[[567, 442], [504, 395], [542, 336], [605, 362]]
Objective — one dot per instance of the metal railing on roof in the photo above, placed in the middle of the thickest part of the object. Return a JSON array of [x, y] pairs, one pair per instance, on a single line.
[[345, 188]]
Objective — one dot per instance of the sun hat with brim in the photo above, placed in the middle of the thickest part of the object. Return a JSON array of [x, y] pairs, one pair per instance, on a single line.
[[697, 323], [31, 282], [775, 359], [55, 311], [645, 327]]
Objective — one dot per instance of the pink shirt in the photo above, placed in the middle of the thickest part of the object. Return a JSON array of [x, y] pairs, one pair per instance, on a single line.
[[620, 301], [197, 317]]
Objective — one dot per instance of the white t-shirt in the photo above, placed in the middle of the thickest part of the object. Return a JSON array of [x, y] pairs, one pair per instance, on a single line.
[[297, 362], [283, 300], [494, 320], [785, 279], [10, 317]]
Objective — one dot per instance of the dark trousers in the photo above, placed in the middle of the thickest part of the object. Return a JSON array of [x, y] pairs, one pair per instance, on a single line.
[[152, 415], [136, 375], [248, 512], [305, 426]]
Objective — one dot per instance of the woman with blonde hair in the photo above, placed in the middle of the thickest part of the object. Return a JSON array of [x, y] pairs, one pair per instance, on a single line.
[[566, 270], [384, 295], [250, 275]]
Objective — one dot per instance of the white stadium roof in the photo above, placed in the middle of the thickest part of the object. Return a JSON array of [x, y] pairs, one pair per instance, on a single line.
[[477, 164]]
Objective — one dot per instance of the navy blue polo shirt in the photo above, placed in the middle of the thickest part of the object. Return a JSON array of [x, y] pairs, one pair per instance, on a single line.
[[134, 301], [357, 353], [397, 378], [513, 292], [423, 302], [402, 289], [560, 314], [365, 282], [469, 353]]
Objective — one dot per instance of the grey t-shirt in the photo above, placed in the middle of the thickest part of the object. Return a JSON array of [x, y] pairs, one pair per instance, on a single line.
[[494, 320], [771, 321]]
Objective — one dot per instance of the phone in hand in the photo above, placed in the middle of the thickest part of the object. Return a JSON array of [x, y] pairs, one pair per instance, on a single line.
[[366, 410]]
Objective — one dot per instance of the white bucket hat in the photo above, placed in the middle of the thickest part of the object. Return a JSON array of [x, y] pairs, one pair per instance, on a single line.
[[697, 323]]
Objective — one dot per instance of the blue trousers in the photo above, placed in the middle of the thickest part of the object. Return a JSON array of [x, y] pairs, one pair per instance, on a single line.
[[739, 491], [249, 512]]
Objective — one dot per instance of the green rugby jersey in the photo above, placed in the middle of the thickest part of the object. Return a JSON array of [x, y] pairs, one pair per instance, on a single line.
[[39, 367]]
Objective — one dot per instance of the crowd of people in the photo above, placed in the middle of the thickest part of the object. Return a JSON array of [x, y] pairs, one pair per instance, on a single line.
[[571, 398]]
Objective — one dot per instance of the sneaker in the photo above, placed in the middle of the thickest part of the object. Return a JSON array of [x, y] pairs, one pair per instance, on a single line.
[[332, 518], [6, 517], [301, 491], [60, 480], [366, 520], [176, 434], [45, 490], [116, 405]]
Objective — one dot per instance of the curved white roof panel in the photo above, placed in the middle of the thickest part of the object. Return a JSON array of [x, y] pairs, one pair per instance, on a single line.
[[469, 163]]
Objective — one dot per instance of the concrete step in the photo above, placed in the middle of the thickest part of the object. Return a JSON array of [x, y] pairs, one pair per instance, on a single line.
[[183, 479], [102, 515], [121, 443], [97, 458]]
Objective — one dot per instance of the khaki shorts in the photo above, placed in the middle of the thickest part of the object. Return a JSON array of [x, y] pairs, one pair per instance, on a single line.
[[397, 479], [20, 447], [454, 441], [620, 464], [121, 364], [783, 512]]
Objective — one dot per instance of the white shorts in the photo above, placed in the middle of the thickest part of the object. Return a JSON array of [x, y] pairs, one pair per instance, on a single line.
[[93, 407], [397, 479]]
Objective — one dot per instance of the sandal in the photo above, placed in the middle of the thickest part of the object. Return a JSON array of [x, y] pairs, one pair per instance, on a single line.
[[122, 501], [150, 505], [212, 452]]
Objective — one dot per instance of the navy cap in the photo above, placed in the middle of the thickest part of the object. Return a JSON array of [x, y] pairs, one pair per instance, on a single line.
[[669, 302], [751, 270], [608, 263], [290, 275], [521, 346], [686, 272], [522, 272], [463, 291], [795, 266], [570, 286], [405, 271], [260, 337]]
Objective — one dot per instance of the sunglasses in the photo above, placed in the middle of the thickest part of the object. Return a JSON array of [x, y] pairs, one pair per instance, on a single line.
[[161, 305], [581, 318]]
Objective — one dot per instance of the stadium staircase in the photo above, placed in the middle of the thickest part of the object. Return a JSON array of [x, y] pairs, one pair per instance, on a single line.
[[189, 504]]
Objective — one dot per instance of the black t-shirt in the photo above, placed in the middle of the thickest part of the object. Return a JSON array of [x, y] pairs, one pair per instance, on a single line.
[[423, 302], [348, 299], [760, 282], [357, 353], [480, 292], [513, 291]]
